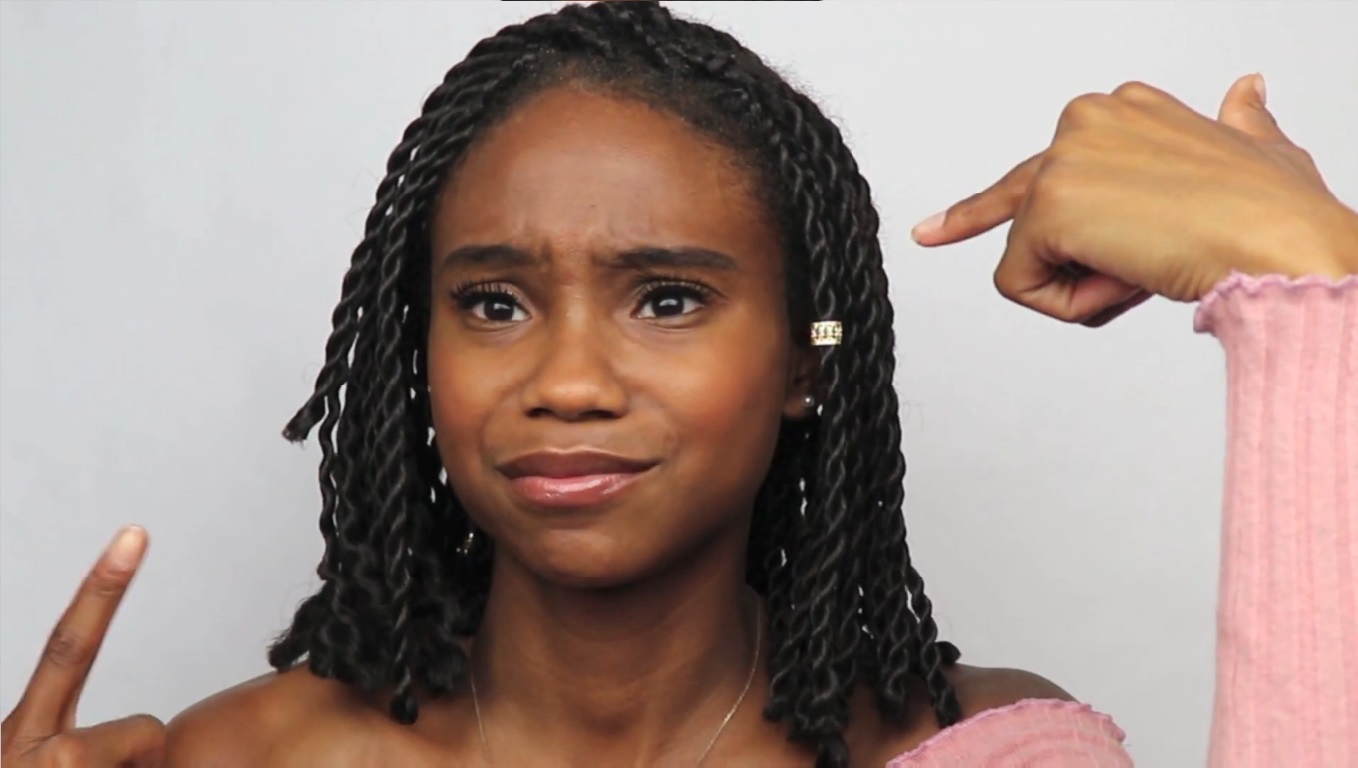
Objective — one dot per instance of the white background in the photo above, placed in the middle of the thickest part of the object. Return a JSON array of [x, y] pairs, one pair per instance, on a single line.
[[181, 185]]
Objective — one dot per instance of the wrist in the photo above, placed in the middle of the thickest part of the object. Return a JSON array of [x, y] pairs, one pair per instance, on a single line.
[[1321, 240], [1345, 246]]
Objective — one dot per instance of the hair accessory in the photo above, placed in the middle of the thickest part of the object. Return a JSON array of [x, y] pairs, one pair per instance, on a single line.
[[826, 333]]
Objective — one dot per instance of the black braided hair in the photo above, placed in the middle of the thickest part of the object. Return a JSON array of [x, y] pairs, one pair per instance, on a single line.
[[827, 548]]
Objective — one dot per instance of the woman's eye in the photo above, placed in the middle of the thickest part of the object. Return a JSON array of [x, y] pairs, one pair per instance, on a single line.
[[671, 301], [493, 307]]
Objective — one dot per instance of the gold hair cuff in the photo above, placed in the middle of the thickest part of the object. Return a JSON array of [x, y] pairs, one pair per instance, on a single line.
[[826, 333]]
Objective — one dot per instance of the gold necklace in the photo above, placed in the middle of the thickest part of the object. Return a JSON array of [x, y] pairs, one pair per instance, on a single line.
[[758, 632]]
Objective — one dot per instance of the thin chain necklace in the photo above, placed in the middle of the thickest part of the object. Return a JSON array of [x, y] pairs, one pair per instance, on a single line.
[[758, 632]]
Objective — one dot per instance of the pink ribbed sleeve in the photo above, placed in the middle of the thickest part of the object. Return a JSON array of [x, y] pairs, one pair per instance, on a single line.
[[1287, 618]]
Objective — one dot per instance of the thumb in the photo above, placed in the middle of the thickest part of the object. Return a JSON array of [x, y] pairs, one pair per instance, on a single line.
[[1245, 109]]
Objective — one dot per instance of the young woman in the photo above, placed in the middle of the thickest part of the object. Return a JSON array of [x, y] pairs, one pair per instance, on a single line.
[[611, 455]]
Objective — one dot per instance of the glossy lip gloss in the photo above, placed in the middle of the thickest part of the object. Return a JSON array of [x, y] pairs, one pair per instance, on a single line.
[[578, 491], [572, 479]]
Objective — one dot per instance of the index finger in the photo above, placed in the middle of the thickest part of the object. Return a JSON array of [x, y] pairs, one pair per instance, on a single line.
[[70, 651], [981, 212]]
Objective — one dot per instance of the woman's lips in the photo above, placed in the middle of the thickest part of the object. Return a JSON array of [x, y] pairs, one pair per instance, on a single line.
[[572, 492], [572, 478]]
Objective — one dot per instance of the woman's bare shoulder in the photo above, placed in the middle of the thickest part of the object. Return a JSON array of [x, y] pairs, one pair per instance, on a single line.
[[278, 719], [980, 689]]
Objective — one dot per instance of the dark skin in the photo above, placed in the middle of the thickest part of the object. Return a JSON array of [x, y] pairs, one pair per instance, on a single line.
[[603, 277], [612, 324], [641, 315]]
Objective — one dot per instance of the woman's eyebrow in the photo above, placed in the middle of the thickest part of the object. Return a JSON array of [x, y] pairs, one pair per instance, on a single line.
[[649, 257], [655, 257], [499, 255]]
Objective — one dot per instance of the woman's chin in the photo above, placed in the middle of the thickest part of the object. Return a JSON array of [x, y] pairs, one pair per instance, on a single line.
[[588, 559]]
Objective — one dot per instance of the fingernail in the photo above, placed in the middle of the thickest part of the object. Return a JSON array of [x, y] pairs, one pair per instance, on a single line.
[[125, 550], [930, 226], [1261, 88]]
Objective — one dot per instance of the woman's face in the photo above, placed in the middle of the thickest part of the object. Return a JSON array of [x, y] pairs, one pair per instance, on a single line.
[[609, 351]]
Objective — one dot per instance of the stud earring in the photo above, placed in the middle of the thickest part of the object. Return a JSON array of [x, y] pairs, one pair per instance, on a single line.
[[810, 402]]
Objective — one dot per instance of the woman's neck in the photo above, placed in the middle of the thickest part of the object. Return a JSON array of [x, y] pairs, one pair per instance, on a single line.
[[642, 673]]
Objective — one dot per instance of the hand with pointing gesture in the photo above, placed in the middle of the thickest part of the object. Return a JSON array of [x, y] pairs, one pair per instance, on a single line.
[[41, 730], [1140, 195]]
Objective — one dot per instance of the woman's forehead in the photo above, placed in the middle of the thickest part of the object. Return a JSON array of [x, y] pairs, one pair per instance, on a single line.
[[570, 161]]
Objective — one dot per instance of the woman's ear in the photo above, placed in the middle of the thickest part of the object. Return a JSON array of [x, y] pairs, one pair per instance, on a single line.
[[803, 373]]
